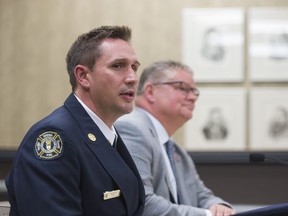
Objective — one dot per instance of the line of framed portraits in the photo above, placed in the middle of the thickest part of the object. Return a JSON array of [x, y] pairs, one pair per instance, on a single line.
[[234, 119], [219, 44], [214, 39]]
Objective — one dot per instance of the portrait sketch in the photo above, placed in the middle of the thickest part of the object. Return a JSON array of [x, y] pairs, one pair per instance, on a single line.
[[268, 44], [212, 43], [216, 127], [269, 119], [278, 125], [213, 47], [218, 121]]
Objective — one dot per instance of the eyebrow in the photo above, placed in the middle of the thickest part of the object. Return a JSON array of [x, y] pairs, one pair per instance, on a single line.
[[125, 59], [137, 62]]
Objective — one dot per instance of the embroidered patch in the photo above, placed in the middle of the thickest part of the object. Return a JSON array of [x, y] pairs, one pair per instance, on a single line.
[[48, 146]]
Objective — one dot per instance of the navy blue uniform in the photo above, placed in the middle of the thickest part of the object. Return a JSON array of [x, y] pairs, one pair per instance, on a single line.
[[65, 166]]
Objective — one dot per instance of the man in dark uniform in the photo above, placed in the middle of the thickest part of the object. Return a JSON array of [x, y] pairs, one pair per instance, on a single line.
[[73, 162]]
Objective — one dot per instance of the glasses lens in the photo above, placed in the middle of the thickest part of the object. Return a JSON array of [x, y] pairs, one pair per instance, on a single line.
[[196, 92], [182, 86]]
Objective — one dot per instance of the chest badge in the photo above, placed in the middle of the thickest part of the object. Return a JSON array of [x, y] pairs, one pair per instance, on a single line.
[[92, 137]]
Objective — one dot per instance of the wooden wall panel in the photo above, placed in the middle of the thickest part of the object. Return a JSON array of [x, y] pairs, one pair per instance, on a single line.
[[35, 36]]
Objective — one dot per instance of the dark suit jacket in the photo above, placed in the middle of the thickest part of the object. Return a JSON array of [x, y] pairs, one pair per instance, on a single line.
[[65, 165]]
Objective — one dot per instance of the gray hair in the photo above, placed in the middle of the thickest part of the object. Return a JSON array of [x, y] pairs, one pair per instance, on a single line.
[[159, 70]]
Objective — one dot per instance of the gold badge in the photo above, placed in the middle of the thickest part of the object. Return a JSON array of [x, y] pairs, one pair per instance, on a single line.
[[111, 194], [92, 137]]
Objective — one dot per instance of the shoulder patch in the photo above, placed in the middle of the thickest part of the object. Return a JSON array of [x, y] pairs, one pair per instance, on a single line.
[[48, 146]]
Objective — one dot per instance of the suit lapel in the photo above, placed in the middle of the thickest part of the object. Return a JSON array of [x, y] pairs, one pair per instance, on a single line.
[[155, 137], [127, 188], [118, 165], [114, 163], [169, 184]]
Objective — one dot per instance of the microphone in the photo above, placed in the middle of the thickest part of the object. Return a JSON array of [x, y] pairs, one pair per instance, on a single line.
[[259, 157]]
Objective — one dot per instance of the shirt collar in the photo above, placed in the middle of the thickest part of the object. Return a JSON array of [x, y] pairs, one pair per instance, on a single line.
[[161, 132], [110, 134]]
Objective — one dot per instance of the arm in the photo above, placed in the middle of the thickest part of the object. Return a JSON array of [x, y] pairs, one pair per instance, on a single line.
[[46, 186], [199, 194]]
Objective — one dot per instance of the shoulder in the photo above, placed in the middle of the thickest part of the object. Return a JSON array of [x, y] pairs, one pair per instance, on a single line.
[[50, 133], [137, 114], [60, 119], [136, 130], [137, 120]]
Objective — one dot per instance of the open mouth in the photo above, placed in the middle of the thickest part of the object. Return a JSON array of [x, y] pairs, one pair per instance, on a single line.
[[128, 95]]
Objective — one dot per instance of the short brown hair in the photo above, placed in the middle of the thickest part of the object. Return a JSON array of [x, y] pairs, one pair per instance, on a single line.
[[85, 50]]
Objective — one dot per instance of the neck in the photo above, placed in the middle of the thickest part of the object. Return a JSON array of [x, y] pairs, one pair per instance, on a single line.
[[108, 119]]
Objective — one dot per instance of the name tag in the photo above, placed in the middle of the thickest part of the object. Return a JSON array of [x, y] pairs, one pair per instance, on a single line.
[[111, 194]]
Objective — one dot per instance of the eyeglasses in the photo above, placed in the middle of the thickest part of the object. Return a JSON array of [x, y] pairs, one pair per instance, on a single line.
[[181, 86]]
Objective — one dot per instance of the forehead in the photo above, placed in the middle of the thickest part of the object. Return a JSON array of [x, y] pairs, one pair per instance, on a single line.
[[117, 47], [180, 74]]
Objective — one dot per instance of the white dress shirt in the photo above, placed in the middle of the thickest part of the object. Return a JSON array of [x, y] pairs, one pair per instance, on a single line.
[[109, 133]]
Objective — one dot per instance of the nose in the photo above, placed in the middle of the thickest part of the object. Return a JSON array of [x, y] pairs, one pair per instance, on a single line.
[[191, 96], [132, 77]]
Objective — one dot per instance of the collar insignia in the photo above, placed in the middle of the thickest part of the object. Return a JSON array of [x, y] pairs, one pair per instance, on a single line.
[[92, 137]]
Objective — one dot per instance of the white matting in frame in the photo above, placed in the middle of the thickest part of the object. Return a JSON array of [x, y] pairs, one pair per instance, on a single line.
[[218, 122], [269, 118], [212, 43], [268, 44]]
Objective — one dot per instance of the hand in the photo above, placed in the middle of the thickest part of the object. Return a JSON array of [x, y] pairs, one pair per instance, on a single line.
[[221, 210]]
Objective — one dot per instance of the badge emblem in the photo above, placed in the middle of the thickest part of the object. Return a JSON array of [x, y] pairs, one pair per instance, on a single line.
[[92, 137], [48, 146]]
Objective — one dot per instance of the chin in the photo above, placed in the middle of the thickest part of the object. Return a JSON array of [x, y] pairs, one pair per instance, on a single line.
[[127, 109], [188, 117]]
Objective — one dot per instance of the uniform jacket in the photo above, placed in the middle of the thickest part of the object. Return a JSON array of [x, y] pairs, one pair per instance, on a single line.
[[141, 139], [65, 166]]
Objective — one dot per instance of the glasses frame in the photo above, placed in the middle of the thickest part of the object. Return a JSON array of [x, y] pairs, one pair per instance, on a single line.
[[194, 90]]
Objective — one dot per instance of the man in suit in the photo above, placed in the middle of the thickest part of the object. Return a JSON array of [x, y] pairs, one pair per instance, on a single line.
[[73, 162], [165, 100]]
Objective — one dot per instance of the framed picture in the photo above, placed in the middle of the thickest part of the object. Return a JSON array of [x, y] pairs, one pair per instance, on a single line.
[[218, 122], [212, 43], [269, 119], [268, 44]]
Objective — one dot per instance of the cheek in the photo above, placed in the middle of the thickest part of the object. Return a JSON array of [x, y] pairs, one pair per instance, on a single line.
[[175, 107], [104, 82], [171, 102], [186, 112]]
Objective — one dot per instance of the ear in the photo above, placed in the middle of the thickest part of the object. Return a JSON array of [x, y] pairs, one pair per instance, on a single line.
[[81, 77], [149, 92]]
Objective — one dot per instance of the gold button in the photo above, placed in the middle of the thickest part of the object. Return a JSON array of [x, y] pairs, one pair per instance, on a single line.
[[92, 137]]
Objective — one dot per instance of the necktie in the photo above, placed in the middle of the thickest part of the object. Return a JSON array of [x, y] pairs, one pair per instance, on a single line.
[[170, 149], [115, 142]]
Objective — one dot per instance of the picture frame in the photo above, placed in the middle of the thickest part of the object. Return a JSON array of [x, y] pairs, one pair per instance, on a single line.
[[218, 122], [268, 44], [212, 43], [268, 118]]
